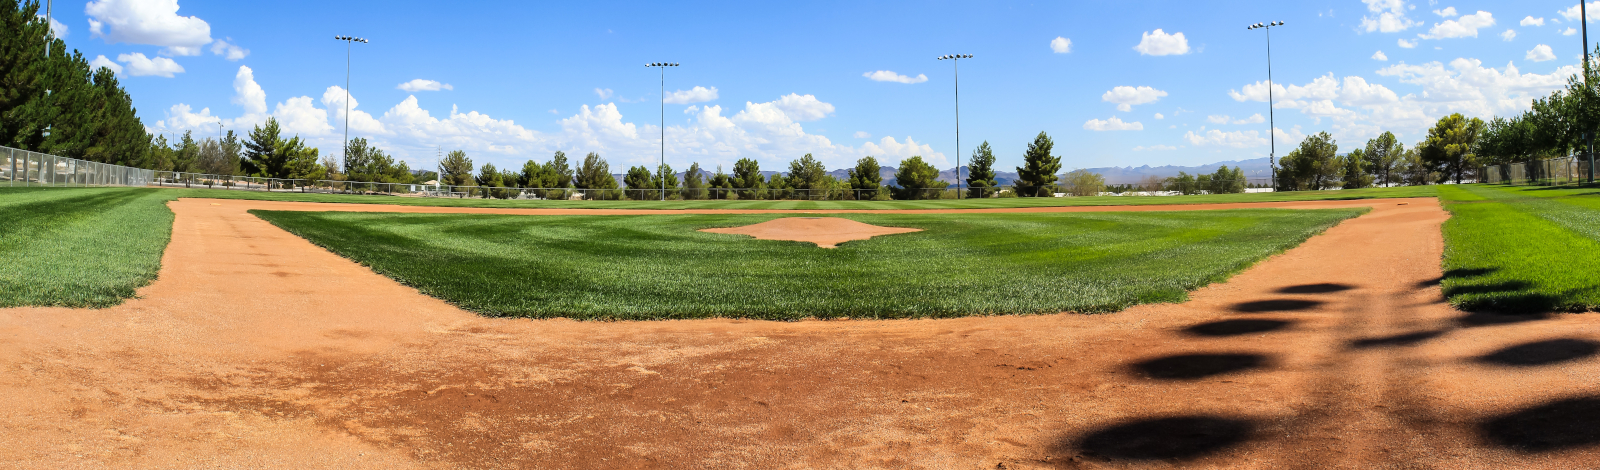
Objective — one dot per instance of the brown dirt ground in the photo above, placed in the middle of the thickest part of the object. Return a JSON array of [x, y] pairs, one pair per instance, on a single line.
[[826, 232], [256, 349]]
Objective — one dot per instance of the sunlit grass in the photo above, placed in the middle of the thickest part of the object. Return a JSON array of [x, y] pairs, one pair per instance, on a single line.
[[1522, 249], [80, 247], [660, 266]]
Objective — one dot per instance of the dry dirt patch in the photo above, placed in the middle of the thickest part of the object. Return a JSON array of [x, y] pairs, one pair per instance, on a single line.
[[826, 232]]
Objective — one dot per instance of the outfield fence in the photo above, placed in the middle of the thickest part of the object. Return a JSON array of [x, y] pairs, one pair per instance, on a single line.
[[1551, 172], [25, 168]]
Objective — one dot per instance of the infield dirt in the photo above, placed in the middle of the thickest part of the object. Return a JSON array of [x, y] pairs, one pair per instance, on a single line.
[[256, 348]]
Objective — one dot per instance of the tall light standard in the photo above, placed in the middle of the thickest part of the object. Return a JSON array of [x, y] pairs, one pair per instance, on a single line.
[[663, 66], [1588, 136], [1272, 127], [51, 31], [955, 61], [348, 42]]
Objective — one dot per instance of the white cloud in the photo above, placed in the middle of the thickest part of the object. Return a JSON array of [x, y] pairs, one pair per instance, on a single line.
[[697, 94], [1390, 16], [1569, 31], [1142, 148], [1126, 96], [228, 50], [249, 95], [1235, 139], [1113, 124], [888, 149], [298, 116], [863, 135], [603, 93], [102, 61], [1253, 119], [1061, 45], [1218, 119], [152, 22], [888, 76], [1160, 117], [418, 84], [1161, 43], [57, 28], [1357, 92], [360, 121], [1509, 35], [1379, 56], [1224, 119], [1540, 53], [1446, 12], [1573, 12], [139, 66], [802, 107], [1464, 27], [1531, 21], [1406, 44]]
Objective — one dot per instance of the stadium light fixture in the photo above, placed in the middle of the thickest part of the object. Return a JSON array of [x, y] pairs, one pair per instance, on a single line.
[[663, 66], [344, 153], [1272, 128], [955, 61]]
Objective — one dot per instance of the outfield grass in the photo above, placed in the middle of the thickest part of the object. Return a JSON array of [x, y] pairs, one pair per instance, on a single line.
[[80, 247], [988, 203], [1522, 249], [659, 266]]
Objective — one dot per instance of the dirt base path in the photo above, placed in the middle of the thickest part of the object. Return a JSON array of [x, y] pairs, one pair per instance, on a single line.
[[256, 349]]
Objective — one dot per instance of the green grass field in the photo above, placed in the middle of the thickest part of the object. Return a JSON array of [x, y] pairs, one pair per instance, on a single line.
[[655, 267], [1522, 249], [80, 247], [989, 203]]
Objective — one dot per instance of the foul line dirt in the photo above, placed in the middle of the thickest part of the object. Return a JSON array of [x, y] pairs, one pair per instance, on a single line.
[[255, 348]]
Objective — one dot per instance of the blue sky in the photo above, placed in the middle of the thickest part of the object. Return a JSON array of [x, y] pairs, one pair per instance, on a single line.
[[840, 80]]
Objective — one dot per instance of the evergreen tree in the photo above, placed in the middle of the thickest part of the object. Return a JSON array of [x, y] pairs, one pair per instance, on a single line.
[[806, 174], [1449, 147], [722, 183], [231, 149], [1038, 173], [671, 183], [1314, 165], [186, 158], [262, 156], [638, 182], [560, 174], [160, 154], [1382, 154], [747, 177], [915, 179], [457, 169], [866, 178], [1355, 170], [980, 172], [595, 174], [694, 183], [488, 178]]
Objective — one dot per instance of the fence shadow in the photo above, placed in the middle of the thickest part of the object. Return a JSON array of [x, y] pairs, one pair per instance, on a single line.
[[1276, 305], [1322, 288], [1541, 353], [1556, 425], [1403, 339], [1198, 366], [1165, 438], [1236, 327]]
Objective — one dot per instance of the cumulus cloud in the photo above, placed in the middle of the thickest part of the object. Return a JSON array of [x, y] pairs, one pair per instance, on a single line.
[[228, 50], [1406, 44], [1531, 21], [1160, 117], [102, 61], [1126, 96], [603, 93], [888, 76], [1225, 119], [1113, 124], [1161, 43], [1253, 119], [139, 66], [1061, 45], [249, 95], [1387, 16], [418, 84], [360, 121], [1540, 53], [1379, 56], [1235, 139], [863, 135], [152, 22], [1218, 119], [1573, 12], [57, 28], [801, 107], [1508, 35], [1446, 12], [1465, 27], [697, 94], [1154, 147], [1569, 31]]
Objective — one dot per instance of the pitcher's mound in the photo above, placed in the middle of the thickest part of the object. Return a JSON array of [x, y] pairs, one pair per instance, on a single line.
[[826, 232]]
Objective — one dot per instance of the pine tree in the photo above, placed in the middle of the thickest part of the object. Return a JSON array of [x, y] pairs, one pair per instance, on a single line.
[[980, 172], [186, 158], [1449, 147], [915, 177], [747, 177], [866, 178], [595, 174], [1038, 174], [262, 156], [457, 169], [1382, 154], [638, 182], [694, 183], [807, 174]]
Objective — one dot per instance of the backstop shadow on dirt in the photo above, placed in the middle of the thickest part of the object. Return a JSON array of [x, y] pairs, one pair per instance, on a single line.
[[1541, 353], [1553, 426], [1224, 328], [1165, 438], [1198, 366]]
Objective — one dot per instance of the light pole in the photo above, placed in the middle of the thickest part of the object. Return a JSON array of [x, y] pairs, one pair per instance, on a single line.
[[663, 66], [348, 42], [1272, 127], [1588, 135], [955, 62], [50, 32]]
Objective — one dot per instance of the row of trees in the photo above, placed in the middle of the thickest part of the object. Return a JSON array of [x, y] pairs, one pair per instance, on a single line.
[[1448, 153]]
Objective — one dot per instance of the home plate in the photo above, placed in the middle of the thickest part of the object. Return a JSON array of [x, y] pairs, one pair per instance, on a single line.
[[826, 232]]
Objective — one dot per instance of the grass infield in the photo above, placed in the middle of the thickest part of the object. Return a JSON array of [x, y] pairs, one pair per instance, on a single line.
[[659, 266], [1522, 249], [988, 203], [80, 247]]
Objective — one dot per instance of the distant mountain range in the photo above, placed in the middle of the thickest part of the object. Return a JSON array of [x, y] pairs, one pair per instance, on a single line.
[[1253, 168]]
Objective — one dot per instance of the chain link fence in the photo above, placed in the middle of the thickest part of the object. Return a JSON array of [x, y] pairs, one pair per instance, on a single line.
[[1551, 172], [22, 168]]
